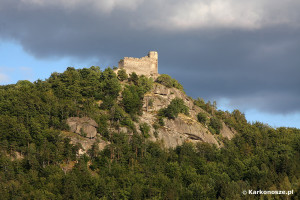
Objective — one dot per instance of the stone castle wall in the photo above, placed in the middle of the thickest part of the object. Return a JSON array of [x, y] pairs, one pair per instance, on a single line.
[[147, 65]]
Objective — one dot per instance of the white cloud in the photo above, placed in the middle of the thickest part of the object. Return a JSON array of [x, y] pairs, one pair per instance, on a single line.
[[105, 6], [241, 14], [217, 14], [4, 78], [190, 14]]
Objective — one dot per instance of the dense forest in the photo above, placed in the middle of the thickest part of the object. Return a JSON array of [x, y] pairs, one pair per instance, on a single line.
[[33, 148]]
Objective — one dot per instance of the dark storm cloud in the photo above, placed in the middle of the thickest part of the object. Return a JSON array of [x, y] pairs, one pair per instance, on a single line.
[[253, 61]]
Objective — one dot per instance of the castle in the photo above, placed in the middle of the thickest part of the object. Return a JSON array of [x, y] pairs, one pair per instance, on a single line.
[[141, 66]]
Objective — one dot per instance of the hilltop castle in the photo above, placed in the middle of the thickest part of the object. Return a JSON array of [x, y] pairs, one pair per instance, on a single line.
[[141, 66]]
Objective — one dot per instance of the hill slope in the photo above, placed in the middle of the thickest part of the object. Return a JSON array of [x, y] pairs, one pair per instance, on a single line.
[[91, 134]]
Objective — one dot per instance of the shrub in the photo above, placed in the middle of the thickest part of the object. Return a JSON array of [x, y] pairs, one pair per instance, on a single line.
[[200, 102], [122, 75], [215, 124], [174, 108], [145, 84], [132, 100], [145, 129], [82, 133], [155, 134], [116, 113], [103, 125], [161, 121], [167, 81], [126, 121], [150, 103], [156, 126], [202, 118], [134, 78]]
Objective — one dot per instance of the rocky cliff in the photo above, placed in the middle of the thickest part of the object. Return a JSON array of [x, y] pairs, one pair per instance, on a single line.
[[185, 128]]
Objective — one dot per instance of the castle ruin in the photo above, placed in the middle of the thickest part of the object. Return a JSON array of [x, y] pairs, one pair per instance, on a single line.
[[141, 66]]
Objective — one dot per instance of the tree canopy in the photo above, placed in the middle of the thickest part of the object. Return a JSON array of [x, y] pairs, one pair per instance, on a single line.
[[38, 162]]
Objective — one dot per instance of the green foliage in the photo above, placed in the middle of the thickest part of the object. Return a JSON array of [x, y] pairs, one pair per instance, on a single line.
[[36, 162], [13, 131], [110, 85], [133, 94], [150, 102], [260, 157], [215, 124], [119, 117], [200, 103], [82, 133], [122, 75], [24, 83], [117, 113], [155, 133], [167, 81], [30, 108], [236, 120], [145, 84], [202, 118], [145, 129], [133, 77], [132, 99], [174, 108], [208, 107], [127, 121], [161, 120]]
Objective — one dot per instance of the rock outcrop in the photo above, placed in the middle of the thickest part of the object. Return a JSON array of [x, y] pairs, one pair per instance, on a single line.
[[183, 128], [84, 126]]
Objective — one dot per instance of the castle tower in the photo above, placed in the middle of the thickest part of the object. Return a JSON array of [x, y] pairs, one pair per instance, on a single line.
[[147, 65], [153, 54]]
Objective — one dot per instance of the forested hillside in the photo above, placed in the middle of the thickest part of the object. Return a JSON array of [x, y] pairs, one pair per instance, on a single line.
[[39, 161]]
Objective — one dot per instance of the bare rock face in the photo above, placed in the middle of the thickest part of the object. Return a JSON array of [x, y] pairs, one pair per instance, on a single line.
[[227, 132], [188, 129], [183, 128], [161, 90], [84, 126], [176, 132]]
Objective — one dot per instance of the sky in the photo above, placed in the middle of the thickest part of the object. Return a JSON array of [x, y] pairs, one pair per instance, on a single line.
[[243, 54]]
